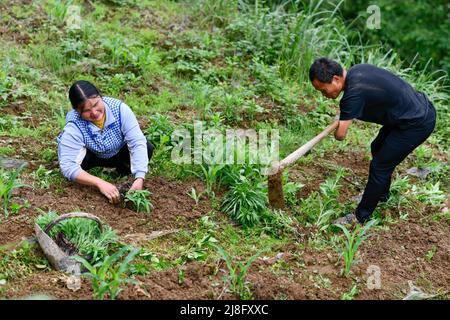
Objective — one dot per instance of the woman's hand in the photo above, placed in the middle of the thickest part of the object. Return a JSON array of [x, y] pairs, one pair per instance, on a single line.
[[138, 184], [110, 191]]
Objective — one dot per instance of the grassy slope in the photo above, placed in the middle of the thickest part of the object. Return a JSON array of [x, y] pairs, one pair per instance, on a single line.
[[163, 57]]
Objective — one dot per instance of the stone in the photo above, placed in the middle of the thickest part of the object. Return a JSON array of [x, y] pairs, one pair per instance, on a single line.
[[12, 163]]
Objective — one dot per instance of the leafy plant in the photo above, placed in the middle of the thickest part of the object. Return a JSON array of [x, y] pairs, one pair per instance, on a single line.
[[8, 182], [43, 177], [429, 194], [199, 250], [319, 208], [160, 126], [423, 155], [430, 253], [237, 273], [277, 223], [352, 242], [140, 200], [351, 293], [244, 202], [107, 276]]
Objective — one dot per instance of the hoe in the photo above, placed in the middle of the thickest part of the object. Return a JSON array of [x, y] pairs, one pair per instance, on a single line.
[[275, 187]]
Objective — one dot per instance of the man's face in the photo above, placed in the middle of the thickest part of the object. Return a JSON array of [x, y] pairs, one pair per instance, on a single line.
[[92, 110], [329, 90]]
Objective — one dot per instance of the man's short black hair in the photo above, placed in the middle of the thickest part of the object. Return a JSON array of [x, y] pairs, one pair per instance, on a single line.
[[323, 69]]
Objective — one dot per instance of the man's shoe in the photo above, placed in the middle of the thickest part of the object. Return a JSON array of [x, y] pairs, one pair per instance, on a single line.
[[348, 219]]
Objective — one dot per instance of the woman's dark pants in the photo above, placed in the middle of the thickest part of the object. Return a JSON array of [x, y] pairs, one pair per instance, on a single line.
[[121, 161]]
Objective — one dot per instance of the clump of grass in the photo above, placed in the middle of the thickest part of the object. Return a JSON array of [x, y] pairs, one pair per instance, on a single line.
[[140, 200], [84, 234]]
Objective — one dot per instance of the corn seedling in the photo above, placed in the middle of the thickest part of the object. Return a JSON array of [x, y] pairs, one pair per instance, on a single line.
[[237, 273], [210, 176], [107, 276], [352, 242], [140, 200], [8, 182], [194, 195]]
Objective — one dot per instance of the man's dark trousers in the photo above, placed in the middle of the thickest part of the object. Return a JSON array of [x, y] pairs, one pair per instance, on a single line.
[[390, 147]]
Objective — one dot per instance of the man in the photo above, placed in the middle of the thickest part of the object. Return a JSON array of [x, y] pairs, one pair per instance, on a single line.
[[376, 95]]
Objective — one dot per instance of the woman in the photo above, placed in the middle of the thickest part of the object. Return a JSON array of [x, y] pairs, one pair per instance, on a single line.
[[101, 132]]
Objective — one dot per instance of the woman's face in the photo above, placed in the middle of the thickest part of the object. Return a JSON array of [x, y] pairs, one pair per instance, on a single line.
[[92, 109]]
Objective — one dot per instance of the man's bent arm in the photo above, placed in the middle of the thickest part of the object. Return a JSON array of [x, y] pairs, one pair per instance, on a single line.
[[341, 130]]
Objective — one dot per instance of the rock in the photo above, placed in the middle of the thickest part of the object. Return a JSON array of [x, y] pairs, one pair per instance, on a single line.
[[433, 239], [73, 283], [12, 163], [421, 173]]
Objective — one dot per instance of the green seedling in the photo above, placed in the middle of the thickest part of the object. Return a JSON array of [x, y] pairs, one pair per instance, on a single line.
[[140, 200], [107, 276], [430, 253], [352, 242], [351, 293], [194, 195], [8, 182], [211, 176], [236, 279]]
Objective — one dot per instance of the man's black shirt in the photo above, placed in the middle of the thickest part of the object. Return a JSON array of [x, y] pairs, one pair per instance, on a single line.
[[376, 95]]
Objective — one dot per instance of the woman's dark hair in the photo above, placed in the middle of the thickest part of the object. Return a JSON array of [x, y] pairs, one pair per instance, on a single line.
[[81, 91], [323, 69]]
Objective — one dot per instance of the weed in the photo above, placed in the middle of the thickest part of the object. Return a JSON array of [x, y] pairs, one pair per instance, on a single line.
[[8, 182], [244, 202], [107, 276], [423, 155], [140, 200], [430, 193], [430, 253], [6, 151], [199, 250], [21, 262], [43, 177], [352, 242], [351, 294], [277, 223]]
